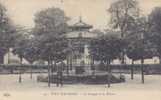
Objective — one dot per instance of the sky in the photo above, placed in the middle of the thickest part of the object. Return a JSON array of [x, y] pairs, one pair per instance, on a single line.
[[93, 12]]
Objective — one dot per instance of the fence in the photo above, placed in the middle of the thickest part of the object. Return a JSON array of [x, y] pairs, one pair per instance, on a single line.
[[148, 68]]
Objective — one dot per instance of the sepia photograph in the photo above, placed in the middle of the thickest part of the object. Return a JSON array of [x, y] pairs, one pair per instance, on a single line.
[[80, 49]]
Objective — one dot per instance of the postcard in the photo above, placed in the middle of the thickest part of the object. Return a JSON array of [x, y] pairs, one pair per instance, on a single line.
[[80, 49]]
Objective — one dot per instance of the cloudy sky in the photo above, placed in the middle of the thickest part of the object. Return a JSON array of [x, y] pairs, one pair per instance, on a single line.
[[92, 11]]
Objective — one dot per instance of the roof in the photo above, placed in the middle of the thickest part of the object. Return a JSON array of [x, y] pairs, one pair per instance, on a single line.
[[81, 24]]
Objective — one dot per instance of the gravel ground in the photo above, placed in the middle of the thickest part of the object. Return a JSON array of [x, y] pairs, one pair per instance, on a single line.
[[30, 89]]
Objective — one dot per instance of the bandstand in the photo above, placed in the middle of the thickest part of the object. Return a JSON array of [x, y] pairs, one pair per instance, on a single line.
[[79, 42]]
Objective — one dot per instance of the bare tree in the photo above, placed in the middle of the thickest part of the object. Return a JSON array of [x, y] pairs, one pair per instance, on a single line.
[[123, 14]]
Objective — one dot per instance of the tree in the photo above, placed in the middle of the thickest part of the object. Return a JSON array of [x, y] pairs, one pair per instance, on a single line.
[[155, 29], [104, 49], [31, 52], [123, 16], [7, 30], [19, 49], [140, 47], [50, 27], [99, 33]]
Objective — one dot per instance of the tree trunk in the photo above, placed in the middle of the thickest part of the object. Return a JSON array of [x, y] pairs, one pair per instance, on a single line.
[[123, 52], [71, 65], [132, 70], [52, 71], [122, 62], [20, 78], [31, 70], [49, 73], [53, 66], [8, 55], [109, 73], [67, 66], [142, 70], [94, 67]]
